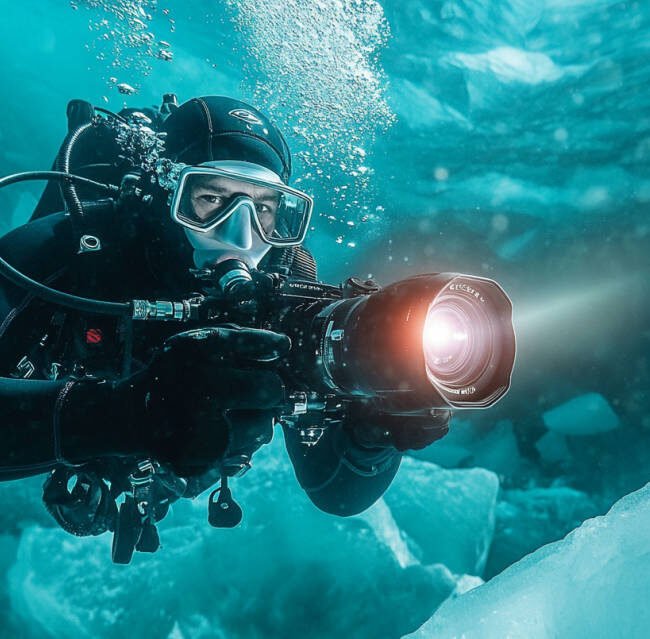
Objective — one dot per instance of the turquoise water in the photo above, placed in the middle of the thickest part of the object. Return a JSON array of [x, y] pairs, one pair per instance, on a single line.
[[507, 139]]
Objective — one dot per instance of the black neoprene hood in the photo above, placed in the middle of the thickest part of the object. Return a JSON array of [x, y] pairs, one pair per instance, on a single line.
[[222, 128]]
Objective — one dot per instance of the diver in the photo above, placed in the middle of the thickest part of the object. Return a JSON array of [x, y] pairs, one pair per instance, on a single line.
[[110, 408]]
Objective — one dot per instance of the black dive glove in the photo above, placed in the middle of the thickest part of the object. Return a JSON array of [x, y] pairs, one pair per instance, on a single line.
[[369, 427], [182, 409]]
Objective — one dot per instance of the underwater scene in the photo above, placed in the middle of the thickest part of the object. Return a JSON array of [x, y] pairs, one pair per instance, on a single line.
[[508, 140]]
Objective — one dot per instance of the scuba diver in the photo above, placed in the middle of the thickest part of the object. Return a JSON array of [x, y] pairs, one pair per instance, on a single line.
[[140, 415]]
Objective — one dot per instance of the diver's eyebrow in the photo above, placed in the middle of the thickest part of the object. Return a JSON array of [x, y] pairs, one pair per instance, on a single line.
[[272, 197], [212, 189]]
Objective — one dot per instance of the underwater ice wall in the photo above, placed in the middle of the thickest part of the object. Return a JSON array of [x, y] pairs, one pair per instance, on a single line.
[[523, 107]]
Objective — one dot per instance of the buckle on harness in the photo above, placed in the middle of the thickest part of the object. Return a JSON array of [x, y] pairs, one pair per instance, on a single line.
[[136, 523], [24, 369]]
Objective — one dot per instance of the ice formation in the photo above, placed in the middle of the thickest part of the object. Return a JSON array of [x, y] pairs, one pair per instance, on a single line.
[[553, 448], [509, 64], [593, 583], [528, 519], [288, 567], [493, 447], [449, 514], [584, 415]]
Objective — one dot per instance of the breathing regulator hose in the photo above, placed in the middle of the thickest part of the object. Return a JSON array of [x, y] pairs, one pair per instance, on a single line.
[[82, 117], [68, 190], [61, 176], [83, 304]]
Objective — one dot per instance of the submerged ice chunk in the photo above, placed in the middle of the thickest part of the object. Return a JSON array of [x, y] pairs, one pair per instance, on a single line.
[[509, 64], [584, 415], [448, 514], [491, 446], [289, 570], [593, 583], [553, 448]]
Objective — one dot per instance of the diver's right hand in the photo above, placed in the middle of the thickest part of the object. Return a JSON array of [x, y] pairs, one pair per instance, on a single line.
[[180, 408]]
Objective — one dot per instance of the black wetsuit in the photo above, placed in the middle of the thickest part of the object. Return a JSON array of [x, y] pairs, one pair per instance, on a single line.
[[46, 345]]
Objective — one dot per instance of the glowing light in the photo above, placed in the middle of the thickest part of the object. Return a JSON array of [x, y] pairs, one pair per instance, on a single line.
[[575, 306], [439, 333], [444, 339]]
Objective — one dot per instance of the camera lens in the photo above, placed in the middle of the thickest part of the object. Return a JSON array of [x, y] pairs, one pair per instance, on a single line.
[[458, 340]]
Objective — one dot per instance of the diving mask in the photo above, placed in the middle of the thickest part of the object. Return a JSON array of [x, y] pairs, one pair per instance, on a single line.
[[208, 195]]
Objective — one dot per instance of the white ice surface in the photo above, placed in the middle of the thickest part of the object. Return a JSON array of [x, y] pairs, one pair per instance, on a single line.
[[509, 64], [594, 584]]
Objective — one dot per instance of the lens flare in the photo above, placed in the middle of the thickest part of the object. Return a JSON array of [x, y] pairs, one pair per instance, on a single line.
[[444, 337], [458, 341]]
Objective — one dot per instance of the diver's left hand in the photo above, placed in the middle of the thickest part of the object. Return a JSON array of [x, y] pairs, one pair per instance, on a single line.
[[370, 428]]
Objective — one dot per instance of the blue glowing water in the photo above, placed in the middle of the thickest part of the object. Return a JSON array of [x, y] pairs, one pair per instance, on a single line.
[[505, 138]]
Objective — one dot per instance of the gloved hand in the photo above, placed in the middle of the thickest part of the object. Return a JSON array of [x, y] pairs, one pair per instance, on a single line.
[[181, 408], [201, 374], [369, 427]]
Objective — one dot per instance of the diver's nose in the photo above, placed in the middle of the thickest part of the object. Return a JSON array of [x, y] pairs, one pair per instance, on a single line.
[[236, 229]]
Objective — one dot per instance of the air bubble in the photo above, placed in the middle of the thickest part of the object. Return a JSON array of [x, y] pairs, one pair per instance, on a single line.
[[125, 89]]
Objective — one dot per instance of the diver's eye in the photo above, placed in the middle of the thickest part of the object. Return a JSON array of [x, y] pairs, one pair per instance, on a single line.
[[211, 198], [264, 209], [266, 216]]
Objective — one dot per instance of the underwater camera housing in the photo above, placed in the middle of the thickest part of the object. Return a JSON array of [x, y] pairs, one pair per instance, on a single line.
[[431, 341]]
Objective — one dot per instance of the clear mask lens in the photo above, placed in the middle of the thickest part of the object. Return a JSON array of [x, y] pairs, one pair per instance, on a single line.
[[207, 196]]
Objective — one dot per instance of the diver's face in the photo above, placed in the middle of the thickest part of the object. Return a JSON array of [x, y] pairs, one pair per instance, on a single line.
[[236, 236], [209, 195]]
